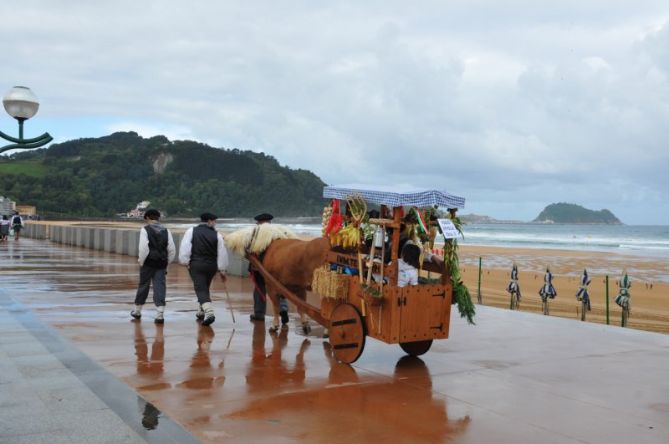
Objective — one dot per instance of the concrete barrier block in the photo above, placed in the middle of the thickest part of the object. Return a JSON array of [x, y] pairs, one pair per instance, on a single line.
[[98, 234], [118, 244], [133, 243], [237, 266], [88, 238]]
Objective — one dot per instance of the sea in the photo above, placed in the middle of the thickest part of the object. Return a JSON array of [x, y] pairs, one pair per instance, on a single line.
[[642, 240], [632, 247]]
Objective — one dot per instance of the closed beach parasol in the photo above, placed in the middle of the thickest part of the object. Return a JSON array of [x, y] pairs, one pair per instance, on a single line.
[[547, 291], [623, 298], [514, 288], [582, 294]]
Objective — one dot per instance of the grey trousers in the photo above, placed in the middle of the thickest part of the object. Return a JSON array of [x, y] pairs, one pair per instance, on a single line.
[[259, 302], [146, 276], [202, 274]]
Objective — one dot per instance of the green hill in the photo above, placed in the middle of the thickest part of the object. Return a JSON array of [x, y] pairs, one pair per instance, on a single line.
[[565, 213], [99, 177]]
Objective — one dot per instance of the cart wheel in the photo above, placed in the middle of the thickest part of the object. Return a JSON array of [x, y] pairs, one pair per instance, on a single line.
[[416, 348], [347, 333]]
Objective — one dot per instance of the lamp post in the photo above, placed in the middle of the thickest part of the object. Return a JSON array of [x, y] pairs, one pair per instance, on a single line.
[[22, 104]]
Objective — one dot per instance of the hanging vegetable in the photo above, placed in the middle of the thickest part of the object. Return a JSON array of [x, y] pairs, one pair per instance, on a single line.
[[461, 294], [327, 214], [350, 236], [420, 222], [336, 220]]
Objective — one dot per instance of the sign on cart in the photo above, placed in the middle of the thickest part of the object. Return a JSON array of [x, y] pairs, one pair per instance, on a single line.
[[448, 229]]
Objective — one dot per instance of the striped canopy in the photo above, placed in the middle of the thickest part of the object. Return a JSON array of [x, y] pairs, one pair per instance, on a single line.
[[395, 196]]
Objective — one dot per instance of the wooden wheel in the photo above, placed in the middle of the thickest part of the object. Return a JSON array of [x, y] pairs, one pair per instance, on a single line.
[[347, 333], [416, 348]]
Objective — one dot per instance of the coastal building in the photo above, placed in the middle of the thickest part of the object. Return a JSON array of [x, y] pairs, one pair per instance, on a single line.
[[138, 211], [7, 206]]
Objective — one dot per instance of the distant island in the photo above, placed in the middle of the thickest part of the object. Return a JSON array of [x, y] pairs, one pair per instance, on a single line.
[[566, 213]]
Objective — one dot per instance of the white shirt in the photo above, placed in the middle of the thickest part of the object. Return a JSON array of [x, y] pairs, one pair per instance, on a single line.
[[407, 275], [144, 247], [187, 245]]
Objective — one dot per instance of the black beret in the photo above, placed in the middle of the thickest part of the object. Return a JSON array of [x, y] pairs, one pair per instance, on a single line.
[[206, 217], [264, 217], [152, 214]]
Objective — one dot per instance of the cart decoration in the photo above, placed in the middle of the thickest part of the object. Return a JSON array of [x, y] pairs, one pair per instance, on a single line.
[[357, 277], [460, 291], [350, 235], [330, 284]]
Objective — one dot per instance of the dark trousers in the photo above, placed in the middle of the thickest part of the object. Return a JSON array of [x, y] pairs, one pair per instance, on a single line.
[[259, 301], [202, 274], [147, 275]]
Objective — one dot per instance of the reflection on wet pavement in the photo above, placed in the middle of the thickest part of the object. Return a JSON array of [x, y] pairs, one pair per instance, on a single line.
[[239, 382]]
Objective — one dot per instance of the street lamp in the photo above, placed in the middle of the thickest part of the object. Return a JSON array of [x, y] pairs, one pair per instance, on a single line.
[[22, 104]]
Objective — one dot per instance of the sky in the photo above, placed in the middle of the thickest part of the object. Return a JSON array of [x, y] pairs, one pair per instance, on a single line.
[[512, 104]]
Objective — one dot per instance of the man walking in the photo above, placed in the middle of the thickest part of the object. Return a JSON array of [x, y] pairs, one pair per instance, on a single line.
[[17, 225], [156, 251], [203, 251], [259, 288]]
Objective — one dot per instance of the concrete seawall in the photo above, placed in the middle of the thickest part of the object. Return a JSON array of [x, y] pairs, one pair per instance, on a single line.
[[110, 239]]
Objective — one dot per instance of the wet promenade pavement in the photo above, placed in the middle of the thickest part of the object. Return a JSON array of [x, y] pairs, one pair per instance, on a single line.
[[515, 377]]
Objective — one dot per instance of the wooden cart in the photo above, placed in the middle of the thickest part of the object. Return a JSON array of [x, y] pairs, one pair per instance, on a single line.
[[411, 316]]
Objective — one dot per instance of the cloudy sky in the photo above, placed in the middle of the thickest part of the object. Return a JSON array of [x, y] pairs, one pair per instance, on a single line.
[[512, 104]]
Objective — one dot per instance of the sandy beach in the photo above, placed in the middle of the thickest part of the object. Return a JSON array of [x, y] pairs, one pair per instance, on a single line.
[[650, 306]]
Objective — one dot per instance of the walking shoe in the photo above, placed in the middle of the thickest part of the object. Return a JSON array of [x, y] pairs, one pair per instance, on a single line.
[[160, 315], [136, 314], [209, 317], [284, 317], [199, 315], [255, 317]]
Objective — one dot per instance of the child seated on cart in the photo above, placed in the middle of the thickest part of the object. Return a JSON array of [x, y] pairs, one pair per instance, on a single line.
[[408, 265]]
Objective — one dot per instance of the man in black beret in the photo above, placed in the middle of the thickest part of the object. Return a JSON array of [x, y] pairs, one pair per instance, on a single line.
[[259, 290], [156, 250], [203, 251]]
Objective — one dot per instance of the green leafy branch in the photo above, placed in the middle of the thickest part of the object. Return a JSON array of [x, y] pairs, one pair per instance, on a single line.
[[461, 294]]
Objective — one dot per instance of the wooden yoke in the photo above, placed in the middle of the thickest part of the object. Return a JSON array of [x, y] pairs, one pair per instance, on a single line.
[[307, 308]]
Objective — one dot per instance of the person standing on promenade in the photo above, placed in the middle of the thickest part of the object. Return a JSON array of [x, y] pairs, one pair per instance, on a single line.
[[156, 251], [17, 225], [259, 288], [4, 228], [203, 251]]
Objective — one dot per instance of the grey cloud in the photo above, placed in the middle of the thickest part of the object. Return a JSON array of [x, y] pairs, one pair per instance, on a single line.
[[512, 104]]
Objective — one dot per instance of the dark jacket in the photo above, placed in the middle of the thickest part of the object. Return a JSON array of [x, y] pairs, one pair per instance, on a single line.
[[204, 245], [158, 239]]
